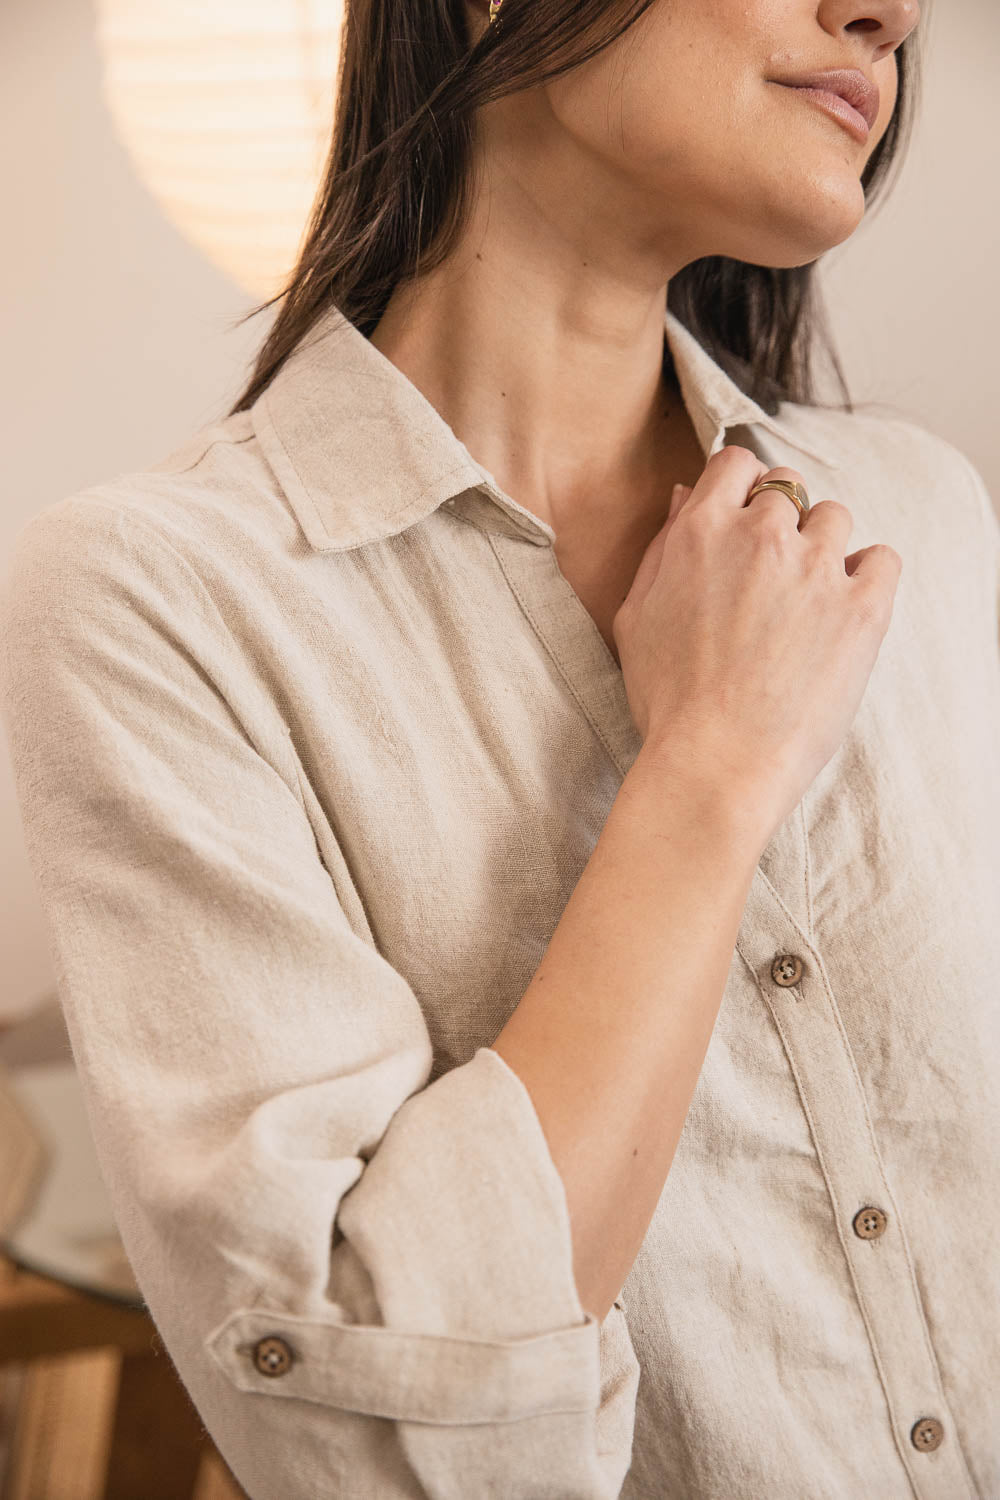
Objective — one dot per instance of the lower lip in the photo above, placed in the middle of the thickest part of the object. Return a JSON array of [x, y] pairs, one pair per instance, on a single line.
[[839, 108]]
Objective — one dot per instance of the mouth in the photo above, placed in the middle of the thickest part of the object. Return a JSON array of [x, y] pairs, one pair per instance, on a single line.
[[845, 94]]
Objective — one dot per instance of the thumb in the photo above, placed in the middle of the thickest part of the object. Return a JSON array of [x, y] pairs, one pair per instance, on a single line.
[[677, 499]]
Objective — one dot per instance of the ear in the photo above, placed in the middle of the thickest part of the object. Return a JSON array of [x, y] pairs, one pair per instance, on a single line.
[[477, 17]]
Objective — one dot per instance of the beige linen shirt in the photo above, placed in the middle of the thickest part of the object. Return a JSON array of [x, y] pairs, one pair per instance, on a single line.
[[312, 742]]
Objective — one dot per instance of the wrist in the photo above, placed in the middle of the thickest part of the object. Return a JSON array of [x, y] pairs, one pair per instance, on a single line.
[[735, 806]]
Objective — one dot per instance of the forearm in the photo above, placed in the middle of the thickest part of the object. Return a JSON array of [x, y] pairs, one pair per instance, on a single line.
[[610, 1035]]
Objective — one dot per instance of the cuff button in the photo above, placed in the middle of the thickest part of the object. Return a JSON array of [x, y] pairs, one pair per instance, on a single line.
[[272, 1356]]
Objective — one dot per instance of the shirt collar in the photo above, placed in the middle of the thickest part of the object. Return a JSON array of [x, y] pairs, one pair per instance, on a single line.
[[361, 454]]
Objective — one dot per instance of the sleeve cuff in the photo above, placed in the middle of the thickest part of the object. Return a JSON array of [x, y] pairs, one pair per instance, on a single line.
[[411, 1377], [460, 1220]]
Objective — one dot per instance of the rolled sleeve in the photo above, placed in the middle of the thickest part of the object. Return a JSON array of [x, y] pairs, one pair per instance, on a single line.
[[364, 1279]]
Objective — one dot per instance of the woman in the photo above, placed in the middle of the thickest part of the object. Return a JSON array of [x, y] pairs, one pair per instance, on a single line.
[[529, 938]]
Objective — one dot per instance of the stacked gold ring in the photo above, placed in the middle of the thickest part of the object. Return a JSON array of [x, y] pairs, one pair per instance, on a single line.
[[796, 492]]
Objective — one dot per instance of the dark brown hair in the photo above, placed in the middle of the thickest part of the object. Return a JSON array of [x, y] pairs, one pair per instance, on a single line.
[[396, 185]]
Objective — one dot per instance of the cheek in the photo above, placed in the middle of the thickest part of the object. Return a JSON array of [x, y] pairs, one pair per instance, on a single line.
[[887, 108], [668, 121], [655, 94], [887, 77]]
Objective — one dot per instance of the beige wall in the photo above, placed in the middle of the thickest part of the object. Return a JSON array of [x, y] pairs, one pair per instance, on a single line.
[[115, 331], [114, 337], [914, 294]]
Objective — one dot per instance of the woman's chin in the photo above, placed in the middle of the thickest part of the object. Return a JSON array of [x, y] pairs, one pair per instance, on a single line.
[[804, 225]]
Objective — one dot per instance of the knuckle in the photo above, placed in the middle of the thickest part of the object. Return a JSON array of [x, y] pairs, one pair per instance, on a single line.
[[770, 542], [835, 507], [821, 562], [889, 554], [874, 606], [768, 521]]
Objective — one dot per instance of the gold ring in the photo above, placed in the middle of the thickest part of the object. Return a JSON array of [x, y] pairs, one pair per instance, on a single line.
[[796, 492]]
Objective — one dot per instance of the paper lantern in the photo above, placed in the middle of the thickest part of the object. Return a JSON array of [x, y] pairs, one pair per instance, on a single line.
[[226, 109]]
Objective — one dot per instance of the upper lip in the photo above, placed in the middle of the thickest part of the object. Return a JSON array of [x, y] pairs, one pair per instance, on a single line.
[[850, 83]]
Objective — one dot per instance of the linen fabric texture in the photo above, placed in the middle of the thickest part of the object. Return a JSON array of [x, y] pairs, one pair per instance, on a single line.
[[312, 741]]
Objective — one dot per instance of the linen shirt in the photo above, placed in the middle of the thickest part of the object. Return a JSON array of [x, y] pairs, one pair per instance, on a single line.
[[312, 741]]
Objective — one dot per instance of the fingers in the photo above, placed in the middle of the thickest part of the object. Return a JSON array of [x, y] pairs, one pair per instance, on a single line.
[[729, 476], [876, 571], [830, 522]]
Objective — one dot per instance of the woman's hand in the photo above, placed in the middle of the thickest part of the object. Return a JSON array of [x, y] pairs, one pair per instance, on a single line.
[[747, 638]]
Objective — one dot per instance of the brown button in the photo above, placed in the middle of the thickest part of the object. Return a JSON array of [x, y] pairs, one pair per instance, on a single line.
[[272, 1356], [927, 1434], [786, 969], [869, 1223]]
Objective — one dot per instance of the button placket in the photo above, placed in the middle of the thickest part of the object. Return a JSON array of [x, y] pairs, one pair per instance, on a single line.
[[573, 642], [773, 946], [781, 956]]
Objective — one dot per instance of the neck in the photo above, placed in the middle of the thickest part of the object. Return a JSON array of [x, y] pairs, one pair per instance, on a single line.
[[547, 366]]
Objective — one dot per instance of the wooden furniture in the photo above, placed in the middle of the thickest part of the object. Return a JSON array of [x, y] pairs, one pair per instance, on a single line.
[[91, 1407]]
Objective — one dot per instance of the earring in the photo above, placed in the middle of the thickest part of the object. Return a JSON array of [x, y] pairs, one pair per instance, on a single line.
[[494, 9]]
